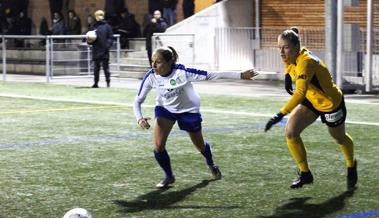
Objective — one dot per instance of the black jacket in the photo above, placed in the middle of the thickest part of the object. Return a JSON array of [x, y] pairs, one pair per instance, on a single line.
[[104, 40]]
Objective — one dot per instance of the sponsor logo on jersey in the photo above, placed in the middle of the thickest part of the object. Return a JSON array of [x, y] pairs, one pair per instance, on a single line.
[[172, 82]]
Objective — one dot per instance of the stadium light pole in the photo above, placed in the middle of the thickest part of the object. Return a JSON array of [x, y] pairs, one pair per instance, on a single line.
[[340, 42], [369, 28], [331, 36]]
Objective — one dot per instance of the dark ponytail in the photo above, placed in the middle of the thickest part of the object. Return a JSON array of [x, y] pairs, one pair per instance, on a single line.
[[291, 35], [168, 53]]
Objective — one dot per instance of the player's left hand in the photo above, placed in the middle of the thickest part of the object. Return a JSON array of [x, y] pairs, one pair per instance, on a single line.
[[248, 74], [273, 120]]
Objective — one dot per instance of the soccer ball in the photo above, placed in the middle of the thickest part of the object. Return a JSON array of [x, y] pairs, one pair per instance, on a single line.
[[91, 36], [78, 213]]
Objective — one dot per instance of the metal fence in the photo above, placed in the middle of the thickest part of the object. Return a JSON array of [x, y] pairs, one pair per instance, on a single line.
[[240, 48], [53, 56]]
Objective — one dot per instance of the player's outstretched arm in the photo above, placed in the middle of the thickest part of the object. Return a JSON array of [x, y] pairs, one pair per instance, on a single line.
[[248, 74]]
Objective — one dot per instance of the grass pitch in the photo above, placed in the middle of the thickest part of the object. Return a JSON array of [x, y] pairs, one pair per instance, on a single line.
[[63, 147]]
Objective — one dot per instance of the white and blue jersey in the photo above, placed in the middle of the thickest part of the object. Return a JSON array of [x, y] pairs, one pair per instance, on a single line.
[[175, 91]]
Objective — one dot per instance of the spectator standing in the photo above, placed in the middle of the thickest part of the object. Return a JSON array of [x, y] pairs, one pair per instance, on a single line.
[[8, 25], [58, 27], [188, 8], [127, 28], [157, 25], [74, 25], [23, 27], [100, 48], [90, 23], [169, 11], [44, 30]]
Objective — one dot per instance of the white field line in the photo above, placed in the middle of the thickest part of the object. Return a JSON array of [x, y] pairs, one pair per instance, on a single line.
[[152, 106]]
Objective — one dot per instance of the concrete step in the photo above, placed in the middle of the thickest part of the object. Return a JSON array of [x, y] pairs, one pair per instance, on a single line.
[[131, 74], [135, 61], [137, 54], [137, 44], [130, 70]]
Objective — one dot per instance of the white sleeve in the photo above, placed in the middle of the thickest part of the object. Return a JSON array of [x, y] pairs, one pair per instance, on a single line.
[[141, 96], [223, 75], [200, 75]]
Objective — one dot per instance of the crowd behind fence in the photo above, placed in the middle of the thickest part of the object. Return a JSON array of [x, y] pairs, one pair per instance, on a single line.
[[237, 47], [53, 56]]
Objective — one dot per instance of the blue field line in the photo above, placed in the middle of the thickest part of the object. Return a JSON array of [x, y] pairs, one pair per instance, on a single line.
[[360, 214], [120, 137]]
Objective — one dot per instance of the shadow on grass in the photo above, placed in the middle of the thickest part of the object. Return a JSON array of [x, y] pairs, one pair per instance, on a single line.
[[160, 199], [298, 207], [83, 87]]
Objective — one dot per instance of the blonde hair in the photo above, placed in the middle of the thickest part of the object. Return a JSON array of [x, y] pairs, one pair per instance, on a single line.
[[99, 15]]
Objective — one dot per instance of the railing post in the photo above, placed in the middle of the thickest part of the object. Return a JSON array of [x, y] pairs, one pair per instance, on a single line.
[[47, 44], [370, 18], [4, 44], [118, 53], [51, 57], [340, 43], [88, 60]]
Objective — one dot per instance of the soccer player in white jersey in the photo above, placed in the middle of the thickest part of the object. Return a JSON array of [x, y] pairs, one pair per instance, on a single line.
[[177, 101]]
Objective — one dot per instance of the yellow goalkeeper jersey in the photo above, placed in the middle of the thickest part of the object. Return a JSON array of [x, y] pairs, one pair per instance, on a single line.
[[313, 82]]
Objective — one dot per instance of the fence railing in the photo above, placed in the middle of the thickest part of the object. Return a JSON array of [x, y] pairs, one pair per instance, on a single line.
[[54, 56], [240, 48]]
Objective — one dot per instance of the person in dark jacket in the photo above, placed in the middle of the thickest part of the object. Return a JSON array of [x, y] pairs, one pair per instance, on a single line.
[[157, 25], [23, 27], [74, 25], [100, 48], [188, 8], [127, 28], [58, 27]]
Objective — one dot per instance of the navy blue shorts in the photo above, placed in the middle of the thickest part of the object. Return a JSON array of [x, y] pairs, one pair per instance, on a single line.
[[190, 122]]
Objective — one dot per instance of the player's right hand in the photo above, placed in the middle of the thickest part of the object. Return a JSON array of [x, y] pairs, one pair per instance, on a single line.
[[143, 123], [273, 120]]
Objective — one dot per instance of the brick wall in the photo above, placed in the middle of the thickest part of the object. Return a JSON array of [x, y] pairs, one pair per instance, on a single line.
[[274, 13], [278, 13]]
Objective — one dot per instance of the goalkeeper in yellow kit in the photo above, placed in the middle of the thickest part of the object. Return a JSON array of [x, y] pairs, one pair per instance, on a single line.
[[315, 95]]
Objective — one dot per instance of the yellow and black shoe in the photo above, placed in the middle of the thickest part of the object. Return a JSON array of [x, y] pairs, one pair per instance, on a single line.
[[352, 177], [304, 178]]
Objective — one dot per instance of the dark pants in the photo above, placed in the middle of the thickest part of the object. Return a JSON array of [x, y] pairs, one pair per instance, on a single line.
[[105, 64]]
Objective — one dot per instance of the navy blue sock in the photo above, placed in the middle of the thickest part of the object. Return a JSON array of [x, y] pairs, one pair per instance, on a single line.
[[164, 161], [207, 153]]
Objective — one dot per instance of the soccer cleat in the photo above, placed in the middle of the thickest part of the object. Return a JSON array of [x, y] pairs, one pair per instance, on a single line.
[[95, 86], [108, 84], [304, 178], [352, 176], [215, 172], [164, 183]]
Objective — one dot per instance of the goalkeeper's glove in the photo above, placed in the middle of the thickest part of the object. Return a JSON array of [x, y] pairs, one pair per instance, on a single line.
[[288, 84], [274, 120]]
